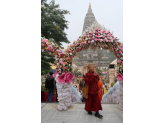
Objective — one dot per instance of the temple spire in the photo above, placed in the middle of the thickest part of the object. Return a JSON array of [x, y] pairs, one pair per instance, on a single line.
[[89, 9], [89, 18]]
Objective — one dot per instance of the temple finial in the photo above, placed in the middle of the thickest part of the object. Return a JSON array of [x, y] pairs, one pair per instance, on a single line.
[[89, 5]]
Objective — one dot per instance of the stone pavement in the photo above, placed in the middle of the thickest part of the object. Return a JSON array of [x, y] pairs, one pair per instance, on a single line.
[[76, 114]]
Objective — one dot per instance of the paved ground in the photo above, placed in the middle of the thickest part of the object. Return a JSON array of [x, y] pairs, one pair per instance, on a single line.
[[76, 114]]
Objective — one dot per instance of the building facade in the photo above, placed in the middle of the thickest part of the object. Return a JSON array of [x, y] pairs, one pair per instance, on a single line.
[[101, 58]]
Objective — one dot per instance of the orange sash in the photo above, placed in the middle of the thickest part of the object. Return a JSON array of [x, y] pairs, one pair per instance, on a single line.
[[100, 87]]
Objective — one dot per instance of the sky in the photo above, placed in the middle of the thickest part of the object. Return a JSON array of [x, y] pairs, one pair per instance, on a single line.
[[107, 12]]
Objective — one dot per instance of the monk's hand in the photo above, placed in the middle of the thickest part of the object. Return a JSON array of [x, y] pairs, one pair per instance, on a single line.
[[95, 73]]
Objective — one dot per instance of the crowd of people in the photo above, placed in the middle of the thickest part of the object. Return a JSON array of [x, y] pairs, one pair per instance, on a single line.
[[81, 85], [93, 102], [50, 84]]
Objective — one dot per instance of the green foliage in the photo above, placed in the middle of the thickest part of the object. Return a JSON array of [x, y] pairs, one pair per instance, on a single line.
[[43, 89], [115, 79], [112, 84], [105, 69], [115, 65], [46, 59], [53, 24], [76, 70], [103, 81], [98, 71]]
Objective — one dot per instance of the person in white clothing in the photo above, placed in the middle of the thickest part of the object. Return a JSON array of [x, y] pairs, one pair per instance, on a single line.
[[103, 88], [76, 87]]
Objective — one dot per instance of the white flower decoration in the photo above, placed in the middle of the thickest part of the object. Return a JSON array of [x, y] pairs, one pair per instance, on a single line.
[[101, 40], [92, 41]]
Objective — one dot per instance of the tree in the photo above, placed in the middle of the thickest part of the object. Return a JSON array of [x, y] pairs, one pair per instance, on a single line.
[[46, 59], [98, 71], [53, 24]]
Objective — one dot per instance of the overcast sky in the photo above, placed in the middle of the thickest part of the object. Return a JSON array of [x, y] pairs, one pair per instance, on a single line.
[[107, 12]]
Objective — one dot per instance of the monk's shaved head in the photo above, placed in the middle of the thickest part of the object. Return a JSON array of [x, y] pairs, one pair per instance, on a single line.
[[90, 65]]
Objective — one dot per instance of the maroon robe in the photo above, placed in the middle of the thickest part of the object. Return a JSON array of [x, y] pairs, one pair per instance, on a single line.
[[93, 102]]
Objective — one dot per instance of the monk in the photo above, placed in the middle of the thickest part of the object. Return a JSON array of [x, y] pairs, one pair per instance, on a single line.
[[100, 87], [93, 102]]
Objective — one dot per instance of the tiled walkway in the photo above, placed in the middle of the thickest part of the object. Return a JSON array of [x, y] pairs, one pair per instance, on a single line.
[[77, 114]]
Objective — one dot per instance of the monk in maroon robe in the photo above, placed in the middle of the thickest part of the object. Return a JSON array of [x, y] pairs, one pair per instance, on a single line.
[[93, 102]]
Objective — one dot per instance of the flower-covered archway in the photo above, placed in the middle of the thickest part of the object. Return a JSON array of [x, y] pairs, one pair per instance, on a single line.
[[93, 37]]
